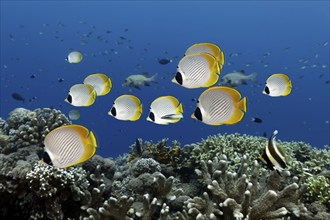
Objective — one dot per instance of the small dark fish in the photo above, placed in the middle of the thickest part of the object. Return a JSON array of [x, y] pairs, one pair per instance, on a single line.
[[109, 32], [264, 134], [33, 76], [257, 120], [138, 146], [11, 37], [32, 99], [18, 97], [122, 38], [164, 61], [327, 82], [126, 29], [60, 80], [194, 99]]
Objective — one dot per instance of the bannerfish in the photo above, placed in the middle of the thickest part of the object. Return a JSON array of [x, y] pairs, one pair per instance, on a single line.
[[197, 70], [278, 85], [210, 48], [237, 78], [165, 110], [74, 57], [220, 105], [126, 108], [74, 114], [164, 61], [101, 83], [18, 97], [69, 145], [272, 155], [81, 95], [138, 80]]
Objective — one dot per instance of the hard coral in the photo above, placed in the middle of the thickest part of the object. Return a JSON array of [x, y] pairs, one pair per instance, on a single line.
[[27, 127]]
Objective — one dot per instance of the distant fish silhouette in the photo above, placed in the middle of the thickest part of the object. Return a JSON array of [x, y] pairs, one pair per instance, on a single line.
[[164, 61], [18, 97]]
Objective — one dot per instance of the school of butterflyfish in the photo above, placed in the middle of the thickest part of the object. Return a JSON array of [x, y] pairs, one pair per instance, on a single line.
[[200, 67]]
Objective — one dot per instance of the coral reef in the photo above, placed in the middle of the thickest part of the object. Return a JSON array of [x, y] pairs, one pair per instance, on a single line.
[[25, 127], [218, 178]]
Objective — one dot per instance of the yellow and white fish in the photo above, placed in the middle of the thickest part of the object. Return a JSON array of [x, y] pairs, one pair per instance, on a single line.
[[126, 108], [272, 155], [208, 48], [197, 70], [165, 110], [101, 83], [69, 145], [220, 105], [278, 84], [81, 95], [74, 57]]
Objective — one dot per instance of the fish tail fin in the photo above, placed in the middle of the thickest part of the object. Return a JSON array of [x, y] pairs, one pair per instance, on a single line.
[[242, 104], [154, 78], [180, 108], [253, 76]]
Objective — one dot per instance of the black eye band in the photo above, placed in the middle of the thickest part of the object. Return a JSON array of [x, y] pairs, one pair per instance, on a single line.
[[198, 114], [178, 78], [152, 116], [113, 111], [267, 90], [69, 98]]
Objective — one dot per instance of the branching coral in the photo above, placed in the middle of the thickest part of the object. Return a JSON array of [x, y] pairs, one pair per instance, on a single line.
[[319, 189], [243, 194]]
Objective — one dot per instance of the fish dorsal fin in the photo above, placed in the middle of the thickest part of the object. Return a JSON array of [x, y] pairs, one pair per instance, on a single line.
[[82, 131], [236, 95]]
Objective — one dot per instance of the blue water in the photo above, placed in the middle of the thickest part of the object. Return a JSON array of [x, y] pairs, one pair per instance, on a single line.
[[37, 36]]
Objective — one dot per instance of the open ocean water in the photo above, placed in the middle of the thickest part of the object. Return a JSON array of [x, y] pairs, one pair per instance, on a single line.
[[120, 38]]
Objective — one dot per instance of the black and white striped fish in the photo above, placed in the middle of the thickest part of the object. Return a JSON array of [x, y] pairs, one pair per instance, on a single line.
[[272, 156]]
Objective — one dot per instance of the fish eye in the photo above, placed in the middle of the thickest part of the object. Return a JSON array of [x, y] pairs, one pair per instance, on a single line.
[[152, 116], [178, 78], [267, 90], [69, 98], [113, 111], [198, 114]]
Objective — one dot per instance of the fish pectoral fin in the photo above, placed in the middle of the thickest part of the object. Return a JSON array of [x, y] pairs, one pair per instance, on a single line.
[[171, 117]]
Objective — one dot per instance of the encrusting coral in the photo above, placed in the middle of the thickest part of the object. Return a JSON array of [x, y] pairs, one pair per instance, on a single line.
[[218, 178]]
